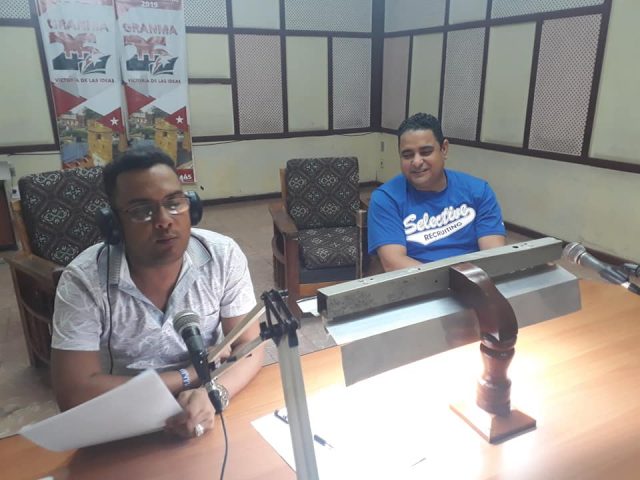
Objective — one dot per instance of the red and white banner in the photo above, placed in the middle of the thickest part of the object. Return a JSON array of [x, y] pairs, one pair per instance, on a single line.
[[154, 69], [80, 44]]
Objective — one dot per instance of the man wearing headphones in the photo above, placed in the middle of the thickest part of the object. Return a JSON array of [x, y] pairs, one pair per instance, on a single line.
[[116, 301]]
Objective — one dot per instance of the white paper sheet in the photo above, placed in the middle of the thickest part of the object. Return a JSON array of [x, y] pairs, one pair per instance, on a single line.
[[309, 305], [139, 406], [367, 442]]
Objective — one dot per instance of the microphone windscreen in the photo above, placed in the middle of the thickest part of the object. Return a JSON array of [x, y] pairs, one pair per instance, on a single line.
[[573, 251], [185, 319]]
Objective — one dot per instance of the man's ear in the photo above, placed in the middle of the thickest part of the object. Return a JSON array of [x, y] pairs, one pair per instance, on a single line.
[[445, 147]]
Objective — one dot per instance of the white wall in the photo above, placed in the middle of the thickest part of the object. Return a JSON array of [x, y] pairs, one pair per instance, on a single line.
[[594, 206], [389, 158], [25, 164], [249, 167], [24, 115], [616, 130]]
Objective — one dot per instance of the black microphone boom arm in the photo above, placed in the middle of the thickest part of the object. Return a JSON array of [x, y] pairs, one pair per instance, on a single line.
[[248, 320], [280, 326]]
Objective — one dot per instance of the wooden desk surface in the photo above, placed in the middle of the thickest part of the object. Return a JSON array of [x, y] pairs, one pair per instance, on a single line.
[[578, 375]]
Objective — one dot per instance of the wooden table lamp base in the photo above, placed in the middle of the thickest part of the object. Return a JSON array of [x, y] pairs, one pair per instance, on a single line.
[[491, 415], [494, 428]]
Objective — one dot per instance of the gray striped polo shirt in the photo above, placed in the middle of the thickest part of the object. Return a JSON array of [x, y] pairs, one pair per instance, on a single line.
[[214, 282]]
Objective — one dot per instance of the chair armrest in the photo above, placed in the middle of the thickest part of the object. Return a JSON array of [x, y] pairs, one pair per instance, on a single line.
[[361, 218], [282, 221], [41, 270], [19, 227]]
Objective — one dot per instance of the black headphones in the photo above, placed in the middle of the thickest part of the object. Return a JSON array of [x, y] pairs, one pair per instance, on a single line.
[[110, 227]]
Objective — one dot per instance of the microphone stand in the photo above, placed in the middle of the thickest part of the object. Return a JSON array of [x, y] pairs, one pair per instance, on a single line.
[[280, 326], [619, 275], [632, 269]]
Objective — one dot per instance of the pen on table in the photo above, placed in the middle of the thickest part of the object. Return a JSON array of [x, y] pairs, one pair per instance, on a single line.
[[317, 438]]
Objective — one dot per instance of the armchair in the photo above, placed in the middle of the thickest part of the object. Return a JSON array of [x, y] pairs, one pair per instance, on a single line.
[[317, 239], [54, 221]]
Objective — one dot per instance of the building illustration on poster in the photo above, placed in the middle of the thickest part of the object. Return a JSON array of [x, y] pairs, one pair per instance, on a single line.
[[79, 40], [93, 48], [153, 61]]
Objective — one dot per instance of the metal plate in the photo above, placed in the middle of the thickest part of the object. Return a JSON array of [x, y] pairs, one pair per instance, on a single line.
[[509, 8], [395, 69], [563, 84], [411, 14], [328, 15], [387, 289], [205, 13], [259, 83], [374, 343], [351, 82], [15, 9], [462, 79]]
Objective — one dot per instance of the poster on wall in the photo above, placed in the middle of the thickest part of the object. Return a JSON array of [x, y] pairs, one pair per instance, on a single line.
[[80, 44], [154, 69]]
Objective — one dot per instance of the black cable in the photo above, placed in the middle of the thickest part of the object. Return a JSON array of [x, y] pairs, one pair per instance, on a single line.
[[110, 311], [226, 446]]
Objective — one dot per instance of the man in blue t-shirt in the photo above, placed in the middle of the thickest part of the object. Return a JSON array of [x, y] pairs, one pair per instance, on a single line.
[[429, 212]]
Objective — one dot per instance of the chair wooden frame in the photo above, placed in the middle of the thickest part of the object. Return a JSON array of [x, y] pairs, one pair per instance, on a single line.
[[285, 247], [34, 281]]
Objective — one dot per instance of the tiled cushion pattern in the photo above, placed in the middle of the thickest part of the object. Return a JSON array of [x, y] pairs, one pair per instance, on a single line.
[[328, 247], [59, 211], [322, 192]]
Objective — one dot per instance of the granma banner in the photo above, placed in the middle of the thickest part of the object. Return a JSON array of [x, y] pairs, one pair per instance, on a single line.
[[80, 43], [154, 69]]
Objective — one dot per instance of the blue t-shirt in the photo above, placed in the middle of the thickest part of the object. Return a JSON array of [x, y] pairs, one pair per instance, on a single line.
[[434, 225]]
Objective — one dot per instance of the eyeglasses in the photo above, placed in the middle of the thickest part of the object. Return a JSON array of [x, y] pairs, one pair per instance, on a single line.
[[143, 212]]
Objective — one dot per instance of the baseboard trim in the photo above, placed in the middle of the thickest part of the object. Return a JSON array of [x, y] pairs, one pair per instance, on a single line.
[[604, 256], [247, 198], [265, 196], [523, 230]]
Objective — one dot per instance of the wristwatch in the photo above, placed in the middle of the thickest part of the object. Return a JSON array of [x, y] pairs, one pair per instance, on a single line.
[[221, 391]]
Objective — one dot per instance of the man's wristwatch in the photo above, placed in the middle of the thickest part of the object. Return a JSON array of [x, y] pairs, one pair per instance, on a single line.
[[221, 392]]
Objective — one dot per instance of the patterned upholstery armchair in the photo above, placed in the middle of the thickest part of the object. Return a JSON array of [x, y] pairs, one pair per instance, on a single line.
[[317, 237], [55, 220]]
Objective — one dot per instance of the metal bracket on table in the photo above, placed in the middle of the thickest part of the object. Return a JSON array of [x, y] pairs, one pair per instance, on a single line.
[[395, 318], [280, 326]]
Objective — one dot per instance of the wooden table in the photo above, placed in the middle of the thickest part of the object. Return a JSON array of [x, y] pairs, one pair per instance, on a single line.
[[578, 375]]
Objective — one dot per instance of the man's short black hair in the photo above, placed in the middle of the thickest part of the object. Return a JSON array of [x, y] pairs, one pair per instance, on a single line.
[[422, 121], [136, 158]]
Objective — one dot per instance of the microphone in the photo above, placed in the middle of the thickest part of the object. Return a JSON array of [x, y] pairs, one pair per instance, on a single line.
[[576, 253], [187, 324]]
